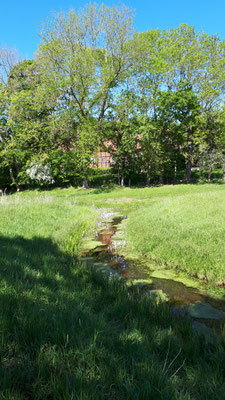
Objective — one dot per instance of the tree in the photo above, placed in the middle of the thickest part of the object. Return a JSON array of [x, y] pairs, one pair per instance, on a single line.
[[178, 112], [157, 95], [209, 159], [165, 60], [26, 128], [121, 132], [8, 58], [84, 56]]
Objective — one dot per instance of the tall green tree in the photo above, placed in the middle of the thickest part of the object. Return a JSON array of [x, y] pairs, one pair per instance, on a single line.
[[84, 56], [121, 132], [178, 112], [87, 54], [27, 121], [8, 58]]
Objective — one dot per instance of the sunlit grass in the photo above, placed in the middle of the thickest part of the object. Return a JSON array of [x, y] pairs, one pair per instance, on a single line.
[[117, 197], [44, 215], [185, 232]]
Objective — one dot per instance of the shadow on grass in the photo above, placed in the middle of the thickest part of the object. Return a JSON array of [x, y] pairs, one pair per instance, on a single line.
[[66, 332]]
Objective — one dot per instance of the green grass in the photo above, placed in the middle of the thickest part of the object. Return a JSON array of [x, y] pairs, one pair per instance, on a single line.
[[45, 215], [67, 332], [186, 232]]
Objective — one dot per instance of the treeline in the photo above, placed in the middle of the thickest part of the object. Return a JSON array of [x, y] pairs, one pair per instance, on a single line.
[[154, 100]]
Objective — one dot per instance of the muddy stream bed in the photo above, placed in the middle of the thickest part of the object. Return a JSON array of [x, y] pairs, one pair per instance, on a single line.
[[206, 313]]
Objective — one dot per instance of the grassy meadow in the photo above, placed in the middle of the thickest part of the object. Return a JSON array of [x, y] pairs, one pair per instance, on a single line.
[[67, 332], [186, 232]]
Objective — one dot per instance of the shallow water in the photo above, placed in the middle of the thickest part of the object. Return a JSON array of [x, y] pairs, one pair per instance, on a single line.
[[178, 293]]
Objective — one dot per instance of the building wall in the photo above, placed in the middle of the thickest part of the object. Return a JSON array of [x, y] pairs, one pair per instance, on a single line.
[[104, 159]]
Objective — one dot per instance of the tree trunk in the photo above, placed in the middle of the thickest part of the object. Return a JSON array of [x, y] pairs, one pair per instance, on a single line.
[[209, 176], [11, 175], [118, 178], [69, 124], [85, 183], [223, 177], [102, 110], [122, 181], [161, 179], [148, 171], [13, 179], [175, 174], [188, 171], [189, 153]]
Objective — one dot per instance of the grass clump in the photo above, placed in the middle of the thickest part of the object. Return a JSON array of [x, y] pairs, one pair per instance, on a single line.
[[32, 215], [186, 232]]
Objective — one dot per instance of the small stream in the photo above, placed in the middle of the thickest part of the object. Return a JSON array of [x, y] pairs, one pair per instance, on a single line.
[[179, 294]]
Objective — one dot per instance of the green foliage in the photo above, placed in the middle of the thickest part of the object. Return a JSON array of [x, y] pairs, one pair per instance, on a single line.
[[153, 99], [27, 132], [101, 177], [209, 160], [63, 166]]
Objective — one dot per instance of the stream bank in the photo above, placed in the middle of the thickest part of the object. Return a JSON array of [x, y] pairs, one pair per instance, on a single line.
[[206, 312]]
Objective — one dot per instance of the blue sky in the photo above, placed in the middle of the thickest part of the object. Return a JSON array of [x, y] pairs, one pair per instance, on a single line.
[[21, 20]]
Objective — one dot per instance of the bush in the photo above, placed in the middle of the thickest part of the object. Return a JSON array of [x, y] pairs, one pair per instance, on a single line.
[[101, 176], [40, 173]]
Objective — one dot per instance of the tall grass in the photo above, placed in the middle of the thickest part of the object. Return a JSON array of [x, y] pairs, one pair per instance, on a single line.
[[186, 232], [32, 215]]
